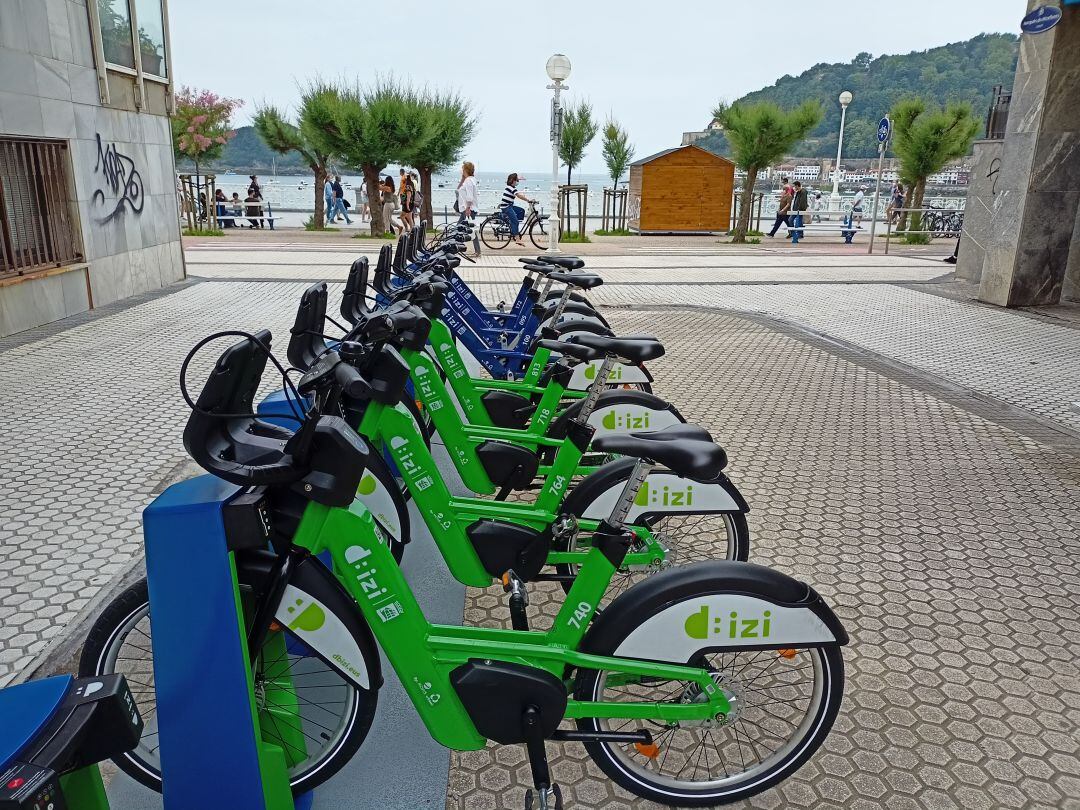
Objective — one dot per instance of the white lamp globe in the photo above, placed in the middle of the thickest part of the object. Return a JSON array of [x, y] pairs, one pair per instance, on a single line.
[[558, 67], [845, 98]]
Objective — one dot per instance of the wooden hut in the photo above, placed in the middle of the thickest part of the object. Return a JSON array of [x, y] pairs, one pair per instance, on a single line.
[[682, 190]]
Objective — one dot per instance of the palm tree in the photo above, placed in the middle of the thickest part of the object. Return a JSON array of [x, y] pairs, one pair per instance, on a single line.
[[760, 134], [578, 130], [925, 140], [450, 126], [307, 139]]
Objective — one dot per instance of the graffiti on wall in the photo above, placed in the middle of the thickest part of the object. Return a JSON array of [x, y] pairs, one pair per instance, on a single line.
[[121, 188], [992, 175]]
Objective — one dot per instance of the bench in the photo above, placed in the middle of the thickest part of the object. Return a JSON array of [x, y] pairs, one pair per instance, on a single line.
[[225, 213], [846, 227]]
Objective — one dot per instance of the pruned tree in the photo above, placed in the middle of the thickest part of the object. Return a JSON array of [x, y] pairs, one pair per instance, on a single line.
[[450, 126], [925, 139], [761, 134], [617, 150], [578, 130], [309, 139], [376, 125]]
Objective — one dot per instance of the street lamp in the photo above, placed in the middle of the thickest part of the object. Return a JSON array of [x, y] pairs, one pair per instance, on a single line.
[[834, 200], [558, 70]]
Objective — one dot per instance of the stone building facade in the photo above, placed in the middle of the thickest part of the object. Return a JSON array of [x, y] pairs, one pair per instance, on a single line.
[[88, 210]]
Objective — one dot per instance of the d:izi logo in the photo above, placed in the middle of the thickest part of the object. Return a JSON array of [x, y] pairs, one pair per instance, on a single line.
[[733, 626]]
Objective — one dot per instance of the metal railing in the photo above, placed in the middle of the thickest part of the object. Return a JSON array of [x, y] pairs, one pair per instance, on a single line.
[[937, 223], [997, 117], [37, 226]]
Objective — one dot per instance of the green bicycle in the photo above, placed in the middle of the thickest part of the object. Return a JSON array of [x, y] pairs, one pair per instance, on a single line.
[[702, 685]]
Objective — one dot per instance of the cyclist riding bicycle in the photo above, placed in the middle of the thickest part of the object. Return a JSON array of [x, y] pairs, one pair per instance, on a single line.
[[514, 213]]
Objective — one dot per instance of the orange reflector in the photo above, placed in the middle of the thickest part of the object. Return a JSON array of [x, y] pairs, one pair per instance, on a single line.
[[275, 627], [506, 579], [789, 654], [650, 750]]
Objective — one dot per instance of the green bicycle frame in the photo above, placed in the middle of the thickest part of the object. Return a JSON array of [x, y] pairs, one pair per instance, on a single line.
[[424, 654], [449, 517]]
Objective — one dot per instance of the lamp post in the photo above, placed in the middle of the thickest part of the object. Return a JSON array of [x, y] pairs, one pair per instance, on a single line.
[[558, 70], [834, 200]]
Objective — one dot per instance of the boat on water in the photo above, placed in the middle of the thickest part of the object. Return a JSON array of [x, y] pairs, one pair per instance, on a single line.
[[229, 173]]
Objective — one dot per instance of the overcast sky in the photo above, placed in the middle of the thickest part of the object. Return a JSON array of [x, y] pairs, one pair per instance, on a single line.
[[657, 67]]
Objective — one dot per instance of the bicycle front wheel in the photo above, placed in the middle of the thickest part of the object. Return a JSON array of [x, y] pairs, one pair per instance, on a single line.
[[318, 718], [494, 233], [539, 235]]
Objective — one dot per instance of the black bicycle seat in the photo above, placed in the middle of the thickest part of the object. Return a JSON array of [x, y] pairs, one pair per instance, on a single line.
[[566, 262], [578, 351], [635, 349], [576, 278], [682, 451]]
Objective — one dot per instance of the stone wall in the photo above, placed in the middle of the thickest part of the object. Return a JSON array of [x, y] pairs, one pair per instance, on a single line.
[[1035, 210], [121, 163], [979, 209]]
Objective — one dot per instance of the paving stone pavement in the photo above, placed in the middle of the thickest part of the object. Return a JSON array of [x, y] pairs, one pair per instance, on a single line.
[[93, 420], [946, 543]]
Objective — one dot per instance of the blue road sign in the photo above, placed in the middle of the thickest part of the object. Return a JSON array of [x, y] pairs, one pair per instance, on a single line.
[[1041, 19], [884, 130]]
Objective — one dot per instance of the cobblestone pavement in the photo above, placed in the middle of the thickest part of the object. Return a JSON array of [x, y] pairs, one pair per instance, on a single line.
[[946, 539], [947, 545]]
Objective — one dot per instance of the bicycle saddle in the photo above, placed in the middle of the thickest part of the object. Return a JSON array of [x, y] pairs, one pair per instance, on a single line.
[[323, 461], [686, 452], [566, 262], [636, 349], [576, 350], [576, 278]]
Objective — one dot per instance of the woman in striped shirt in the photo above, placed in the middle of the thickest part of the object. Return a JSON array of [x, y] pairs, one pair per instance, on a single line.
[[513, 213]]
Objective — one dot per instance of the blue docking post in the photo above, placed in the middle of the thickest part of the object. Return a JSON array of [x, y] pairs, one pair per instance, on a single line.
[[212, 753]]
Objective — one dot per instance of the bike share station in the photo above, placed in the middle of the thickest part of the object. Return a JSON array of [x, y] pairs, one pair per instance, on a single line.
[[212, 751]]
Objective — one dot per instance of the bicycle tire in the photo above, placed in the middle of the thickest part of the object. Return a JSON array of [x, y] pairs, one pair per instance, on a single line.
[[133, 602], [491, 234], [624, 765], [537, 228]]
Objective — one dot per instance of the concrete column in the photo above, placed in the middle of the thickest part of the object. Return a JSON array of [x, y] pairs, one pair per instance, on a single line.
[[1030, 253]]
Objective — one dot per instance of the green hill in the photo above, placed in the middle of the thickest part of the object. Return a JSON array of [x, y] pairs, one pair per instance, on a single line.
[[247, 153], [959, 71]]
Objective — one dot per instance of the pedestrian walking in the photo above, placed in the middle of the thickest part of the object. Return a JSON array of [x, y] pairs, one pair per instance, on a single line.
[[405, 196], [799, 204], [417, 198], [895, 204], [468, 201], [339, 201], [783, 210], [389, 204], [328, 198], [857, 206]]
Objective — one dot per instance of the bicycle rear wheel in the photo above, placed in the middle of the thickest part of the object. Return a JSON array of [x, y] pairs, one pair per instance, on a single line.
[[495, 233]]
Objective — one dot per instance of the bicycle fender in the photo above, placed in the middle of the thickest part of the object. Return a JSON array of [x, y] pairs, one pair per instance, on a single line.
[[621, 373], [623, 410], [320, 613], [716, 605], [665, 493]]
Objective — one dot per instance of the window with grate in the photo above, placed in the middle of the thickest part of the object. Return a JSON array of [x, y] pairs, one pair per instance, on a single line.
[[37, 227]]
